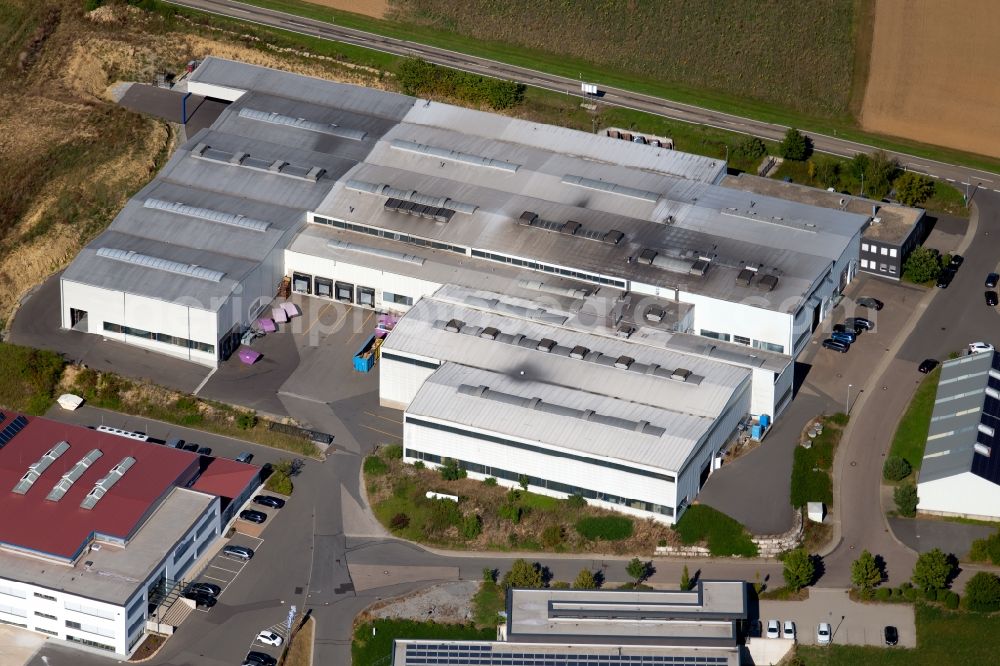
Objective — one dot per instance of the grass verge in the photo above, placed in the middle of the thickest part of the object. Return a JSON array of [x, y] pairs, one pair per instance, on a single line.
[[811, 480], [911, 433], [487, 604], [943, 637], [372, 644], [30, 377], [723, 535], [299, 650]]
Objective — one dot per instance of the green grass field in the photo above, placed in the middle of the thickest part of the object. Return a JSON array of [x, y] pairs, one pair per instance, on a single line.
[[944, 638], [30, 377], [375, 649], [723, 535], [911, 433]]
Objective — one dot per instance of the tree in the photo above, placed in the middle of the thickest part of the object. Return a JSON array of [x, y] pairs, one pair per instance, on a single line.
[[932, 570], [472, 526], [638, 570], [794, 146], [896, 468], [799, 569], [912, 189], [986, 549], [523, 574], [982, 592], [523, 481], [827, 172], [750, 148], [451, 470], [865, 573], [685, 579], [585, 580], [922, 265], [879, 175], [489, 575], [906, 499]]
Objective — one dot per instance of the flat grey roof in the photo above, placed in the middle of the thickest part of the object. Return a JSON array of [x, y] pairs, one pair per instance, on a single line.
[[895, 221], [966, 414], [115, 573], [480, 653], [423, 333], [561, 417]]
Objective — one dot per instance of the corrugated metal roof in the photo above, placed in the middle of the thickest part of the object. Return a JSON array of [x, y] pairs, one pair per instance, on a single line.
[[421, 332], [440, 398], [966, 399]]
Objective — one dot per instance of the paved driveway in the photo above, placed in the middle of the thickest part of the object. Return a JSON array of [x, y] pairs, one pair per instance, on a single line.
[[853, 623]]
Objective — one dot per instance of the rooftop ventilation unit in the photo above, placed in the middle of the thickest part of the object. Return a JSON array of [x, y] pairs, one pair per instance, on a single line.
[[233, 220], [376, 251], [302, 123], [70, 477], [612, 188], [680, 374], [655, 313], [745, 277], [546, 344], [383, 190], [625, 331], [993, 393], [137, 259], [623, 362], [528, 218], [454, 156], [768, 283], [986, 430], [613, 237], [104, 485], [570, 227], [419, 210], [489, 333], [579, 352], [982, 449], [454, 326], [36, 469]]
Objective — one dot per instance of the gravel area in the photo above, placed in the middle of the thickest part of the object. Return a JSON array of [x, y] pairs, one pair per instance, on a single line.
[[445, 602]]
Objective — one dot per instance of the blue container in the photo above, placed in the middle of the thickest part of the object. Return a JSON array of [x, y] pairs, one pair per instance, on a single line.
[[765, 420], [757, 431], [364, 360]]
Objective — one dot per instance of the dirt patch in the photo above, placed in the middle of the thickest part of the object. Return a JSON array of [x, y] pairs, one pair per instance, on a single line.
[[446, 603], [373, 8], [933, 73]]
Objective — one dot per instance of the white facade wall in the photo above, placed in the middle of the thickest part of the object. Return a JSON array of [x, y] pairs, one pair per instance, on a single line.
[[360, 275], [255, 291], [48, 611], [562, 470], [148, 314], [781, 388], [966, 495], [763, 394], [750, 319], [399, 381]]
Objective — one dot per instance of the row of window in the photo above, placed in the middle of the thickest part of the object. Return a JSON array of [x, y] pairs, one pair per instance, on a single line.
[[13, 624], [548, 268], [747, 342], [875, 249], [91, 629], [391, 235], [545, 483], [94, 644], [411, 361], [90, 610], [880, 267], [538, 449], [46, 615], [160, 337]]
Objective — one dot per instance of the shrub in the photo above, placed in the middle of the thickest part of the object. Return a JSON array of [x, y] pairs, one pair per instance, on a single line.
[[794, 146], [896, 468], [472, 526], [279, 482], [910, 593], [375, 466], [922, 265], [417, 77], [523, 574], [400, 521], [559, 585], [246, 420], [932, 571], [799, 569], [906, 499], [913, 189], [883, 594], [490, 481], [605, 528], [982, 592], [489, 575], [523, 481], [941, 595], [576, 502], [511, 512], [930, 595], [585, 580], [443, 514], [451, 470], [638, 570], [393, 452], [419, 465], [750, 148], [897, 594], [952, 600], [986, 550], [552, 536]]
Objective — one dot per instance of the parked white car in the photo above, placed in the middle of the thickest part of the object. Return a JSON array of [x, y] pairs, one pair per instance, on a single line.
[[979, 347], [773, 629], [823, 634], [788, 630], [269, 638]]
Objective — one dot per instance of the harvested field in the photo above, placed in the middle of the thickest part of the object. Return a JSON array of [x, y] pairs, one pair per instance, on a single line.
[[933, 73], [791, 53], [373, 8]]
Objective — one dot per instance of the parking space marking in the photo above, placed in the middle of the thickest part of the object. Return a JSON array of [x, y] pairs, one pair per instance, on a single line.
[[222, 580], [318, 315], [383, 432], [237, 571], [361, 328], [384, 418]]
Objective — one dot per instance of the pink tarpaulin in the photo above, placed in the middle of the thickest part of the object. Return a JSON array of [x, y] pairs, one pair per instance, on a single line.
[[267, 325], [249, 356], [291, 309], [278, 314]]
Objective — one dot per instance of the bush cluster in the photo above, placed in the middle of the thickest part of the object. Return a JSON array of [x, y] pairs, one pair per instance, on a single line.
[[605, 528], [986, 550], [400, 521], [906, 499], [279, 482], [896, 468], [375, 466], [417, 77]]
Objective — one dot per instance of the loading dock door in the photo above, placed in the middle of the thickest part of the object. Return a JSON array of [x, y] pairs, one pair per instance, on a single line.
[[366, 297], [344, 291], [301, 283]]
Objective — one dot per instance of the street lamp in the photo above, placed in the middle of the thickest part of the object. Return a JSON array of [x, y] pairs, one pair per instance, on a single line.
[[847, 403]]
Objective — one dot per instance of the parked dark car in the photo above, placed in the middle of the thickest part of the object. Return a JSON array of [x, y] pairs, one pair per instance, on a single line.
[[891, 635], [267, 500], [204, 451], [870, 303], [991, 280], [255, 658], [947, 275], [836, 345], [860, 322], [253, 516], [927, 365], [238, 552], [956, 261], [843, 335], [200, 598], [204, 588], [857, 329], [991, 298], [190, 447]]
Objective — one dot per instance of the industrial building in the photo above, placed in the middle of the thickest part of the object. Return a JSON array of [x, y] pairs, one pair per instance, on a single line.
[[100, 527], [960, 473], [704, 625]]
